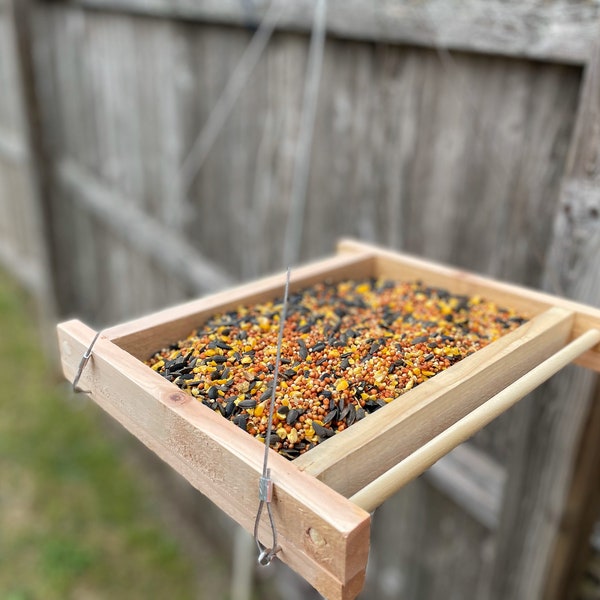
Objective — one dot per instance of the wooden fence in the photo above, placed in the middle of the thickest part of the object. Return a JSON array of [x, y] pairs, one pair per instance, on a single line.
[[464, 132]]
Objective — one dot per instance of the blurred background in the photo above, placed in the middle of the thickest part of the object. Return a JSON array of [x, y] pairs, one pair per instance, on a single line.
[[156, 150]]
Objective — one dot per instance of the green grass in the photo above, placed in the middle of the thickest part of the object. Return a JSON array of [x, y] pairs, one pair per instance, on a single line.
[[73, 521]]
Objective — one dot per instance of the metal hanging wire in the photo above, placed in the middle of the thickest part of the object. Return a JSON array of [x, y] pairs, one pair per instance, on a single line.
[[293, 239], [295, 222], [265, 490], [199, 152], [209, 133]]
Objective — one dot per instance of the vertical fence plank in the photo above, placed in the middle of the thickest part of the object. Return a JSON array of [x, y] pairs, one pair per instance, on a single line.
[[542, 534], [37, 233]]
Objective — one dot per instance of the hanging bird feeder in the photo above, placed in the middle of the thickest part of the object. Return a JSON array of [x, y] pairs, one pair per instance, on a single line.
[[320, 502]]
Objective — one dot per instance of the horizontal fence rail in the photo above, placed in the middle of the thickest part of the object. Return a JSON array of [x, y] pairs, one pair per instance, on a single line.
[[558, 31]]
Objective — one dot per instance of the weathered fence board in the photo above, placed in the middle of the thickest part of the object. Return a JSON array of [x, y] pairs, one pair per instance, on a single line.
[[473, 480], [10, 110], [417, 535], [21, 248], [559, 30], [540, 490]]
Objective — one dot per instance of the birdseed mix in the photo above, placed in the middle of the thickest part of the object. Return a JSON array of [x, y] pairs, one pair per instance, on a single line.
[[349, 348]]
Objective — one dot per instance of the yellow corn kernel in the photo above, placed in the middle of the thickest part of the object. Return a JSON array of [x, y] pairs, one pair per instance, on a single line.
[[341, 384], [292, 436]]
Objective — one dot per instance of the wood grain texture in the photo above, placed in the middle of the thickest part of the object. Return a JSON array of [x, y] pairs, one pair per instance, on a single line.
[[10, 109], [544, 481], [24, 243], [473, 480], [419, 534], [322, 535], [373, 175], [584, 156], [141, 231], [573, 554], [521, 348], [15, 226], [106, 143], [558, 30]]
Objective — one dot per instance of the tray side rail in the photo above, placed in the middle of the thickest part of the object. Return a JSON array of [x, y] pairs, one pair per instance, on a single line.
[[349, 461], [144, 336], [378, 491], [395, 264], [322, 535]]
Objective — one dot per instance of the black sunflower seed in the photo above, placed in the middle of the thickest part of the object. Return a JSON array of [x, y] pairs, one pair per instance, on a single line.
[[302, 349], [346, 412], [351, 417], [330, 416], [292, 416], [241, 420], [283, 410], [230, 406], [250, 403], [266, 394], [322, 432], [318, 347]]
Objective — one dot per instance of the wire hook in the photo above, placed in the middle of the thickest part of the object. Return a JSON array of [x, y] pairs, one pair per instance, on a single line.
[[84, 361], [265, 492]]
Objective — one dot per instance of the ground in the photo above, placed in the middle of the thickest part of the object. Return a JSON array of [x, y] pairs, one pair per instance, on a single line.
[[74, 522]]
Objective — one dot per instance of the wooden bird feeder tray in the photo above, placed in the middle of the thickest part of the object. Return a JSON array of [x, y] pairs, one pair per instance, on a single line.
[[322, 499]]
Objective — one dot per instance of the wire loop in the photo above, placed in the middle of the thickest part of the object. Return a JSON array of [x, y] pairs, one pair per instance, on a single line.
[[266, 555], [82, 363], [265, 485]]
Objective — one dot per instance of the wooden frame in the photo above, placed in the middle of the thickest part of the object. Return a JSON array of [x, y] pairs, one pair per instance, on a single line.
[[323, 535]]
